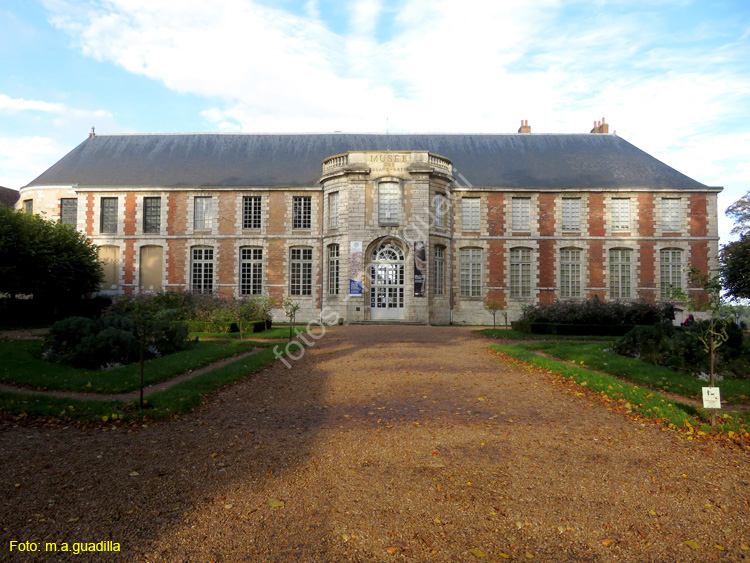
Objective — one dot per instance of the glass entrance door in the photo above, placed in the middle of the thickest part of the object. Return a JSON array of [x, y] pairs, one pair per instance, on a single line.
[[387, 283]]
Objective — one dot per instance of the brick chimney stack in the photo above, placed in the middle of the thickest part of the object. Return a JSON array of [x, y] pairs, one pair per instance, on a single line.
[[92, 134], [525, 128], [600, 127]]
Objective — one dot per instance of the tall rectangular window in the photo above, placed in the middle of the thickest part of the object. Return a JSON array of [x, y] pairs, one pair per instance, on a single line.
[[439, 210], [521, 213], [620, 213], [439, 285], [69, 211], [570, 273], [333, 269], [108, 215], [670, 215], [202, 216], [300, 271], [251, 212], [333, 210], [671, 272], [202, 270], [389, 203], [151, 214], [620, 273], [571, 214], [470, 213], [28, 206], [470, 272], [301, 212], [520, 272], [251, 271]]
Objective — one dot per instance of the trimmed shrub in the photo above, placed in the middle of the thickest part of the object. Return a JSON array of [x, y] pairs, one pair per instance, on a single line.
[[595, 312]]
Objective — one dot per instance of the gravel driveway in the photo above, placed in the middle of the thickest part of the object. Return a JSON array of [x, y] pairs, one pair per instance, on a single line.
[[383, 443]]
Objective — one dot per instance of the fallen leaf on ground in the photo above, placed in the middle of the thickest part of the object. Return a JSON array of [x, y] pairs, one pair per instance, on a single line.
[[275, 503], [477, 552], [692, 544]]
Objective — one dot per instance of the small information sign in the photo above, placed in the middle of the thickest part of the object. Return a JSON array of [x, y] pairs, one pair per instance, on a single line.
[[711, 398]]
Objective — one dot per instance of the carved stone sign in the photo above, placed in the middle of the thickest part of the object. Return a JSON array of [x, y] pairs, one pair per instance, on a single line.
[[392, 163]]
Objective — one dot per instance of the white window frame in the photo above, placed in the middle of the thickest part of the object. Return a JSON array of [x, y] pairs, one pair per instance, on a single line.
[[438, 288], [670, 214], [251, 270], [302, 212], [521, 214], [470, 272], [389, 203], [470, 213], [440, 210], [334, 268], [252, 212], [570, 273], [571, 214], [620, 213], [300, 270], [620, 273], [202, 213], [333, 210], [202, 269], [520, 272], [670, 271]]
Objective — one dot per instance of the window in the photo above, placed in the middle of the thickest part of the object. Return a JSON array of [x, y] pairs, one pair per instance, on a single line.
[[202, 270], [470, 272], [28, 206], [69, 211], [389, 203], [109, 256], [571, 214], [202, 220], [151, 214], [619, 273], [108, 215], [251, 271], [301, 213], [670, 215], [333, 269], [439, 210], [333, 210], [251, 212], [671, 272], [570, 273], [520, 212], [470, 213], [300, 273], [520, 272], [151, 268], [620, 214], [439, 285]]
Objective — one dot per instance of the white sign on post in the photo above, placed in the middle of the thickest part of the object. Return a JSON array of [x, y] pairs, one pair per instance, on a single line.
[[711, 398]]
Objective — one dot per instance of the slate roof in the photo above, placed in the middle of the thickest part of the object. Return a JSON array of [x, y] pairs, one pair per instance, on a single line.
[[293, 160], [8, 197]]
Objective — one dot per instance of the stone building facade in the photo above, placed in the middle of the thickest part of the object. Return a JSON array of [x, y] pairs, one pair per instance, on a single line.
[[411, 228]]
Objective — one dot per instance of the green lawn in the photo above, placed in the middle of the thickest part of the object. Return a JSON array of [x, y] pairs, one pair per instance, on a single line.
[[510, 334], [20, 365]]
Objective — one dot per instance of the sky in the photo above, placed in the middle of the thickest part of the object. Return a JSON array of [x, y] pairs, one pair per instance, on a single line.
[[670, 76]]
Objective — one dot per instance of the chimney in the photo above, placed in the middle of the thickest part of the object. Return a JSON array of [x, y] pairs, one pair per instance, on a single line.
[[92, 134], [600, 127], [524, 127]]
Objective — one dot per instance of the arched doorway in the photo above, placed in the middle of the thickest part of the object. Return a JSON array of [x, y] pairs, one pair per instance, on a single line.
[[387, 281]]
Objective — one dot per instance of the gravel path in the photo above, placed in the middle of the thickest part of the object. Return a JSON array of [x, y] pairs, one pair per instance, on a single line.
[[380, 444]]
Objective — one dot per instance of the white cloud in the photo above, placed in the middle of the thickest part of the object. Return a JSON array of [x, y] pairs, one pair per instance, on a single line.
[[16, 105], [18, 155]]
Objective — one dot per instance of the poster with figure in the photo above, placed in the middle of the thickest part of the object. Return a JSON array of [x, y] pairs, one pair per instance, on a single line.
[[711, 398], [356, 268], [420, 269]]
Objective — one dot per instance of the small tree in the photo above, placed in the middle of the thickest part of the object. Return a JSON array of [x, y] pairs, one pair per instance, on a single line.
[[735, 268], [493, 307], [290, 309]]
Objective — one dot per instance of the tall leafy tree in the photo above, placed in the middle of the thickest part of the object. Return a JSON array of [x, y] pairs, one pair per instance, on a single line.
[[44, 258], [734, 268], [739, 211]]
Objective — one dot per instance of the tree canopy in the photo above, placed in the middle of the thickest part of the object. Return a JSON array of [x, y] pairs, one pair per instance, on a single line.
[[735, 268], [739, 211], [45, 258]]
